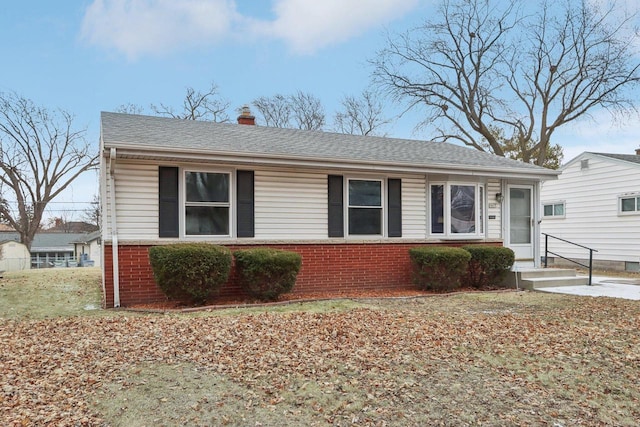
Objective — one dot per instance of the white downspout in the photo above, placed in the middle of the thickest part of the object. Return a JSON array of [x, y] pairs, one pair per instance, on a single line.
[[114, 230], [537, 219]]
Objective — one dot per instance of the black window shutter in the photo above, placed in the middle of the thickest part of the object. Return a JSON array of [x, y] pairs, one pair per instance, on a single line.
[[394, 210], [245, 206], [336, 210], [168, 202]]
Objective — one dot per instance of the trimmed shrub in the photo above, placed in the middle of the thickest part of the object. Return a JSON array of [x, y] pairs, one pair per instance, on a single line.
[[488, 265], [267, 273], [192, 271], [438, 269]]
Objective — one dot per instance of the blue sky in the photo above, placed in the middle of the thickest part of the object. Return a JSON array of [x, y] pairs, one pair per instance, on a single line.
[[87, 56]]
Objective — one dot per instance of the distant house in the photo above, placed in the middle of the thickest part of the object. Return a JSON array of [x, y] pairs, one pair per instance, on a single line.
[[60, 226], [352, 206], [595, 203], [50, 249], [14, 256], [88, 249]]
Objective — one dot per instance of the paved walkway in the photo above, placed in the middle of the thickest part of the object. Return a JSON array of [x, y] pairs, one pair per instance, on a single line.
[[615, 287]]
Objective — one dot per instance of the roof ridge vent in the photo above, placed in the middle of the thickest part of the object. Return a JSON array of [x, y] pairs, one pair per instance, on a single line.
[[584, 164]]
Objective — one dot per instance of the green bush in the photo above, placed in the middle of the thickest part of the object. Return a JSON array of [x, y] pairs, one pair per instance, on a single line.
[[438, 268], [488, 265], [267, 273], [193, 271]]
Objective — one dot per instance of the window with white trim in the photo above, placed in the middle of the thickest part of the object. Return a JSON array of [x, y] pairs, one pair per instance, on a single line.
[[365, 201], [457, 209], [207, 203], [629, 204], [553, 210]]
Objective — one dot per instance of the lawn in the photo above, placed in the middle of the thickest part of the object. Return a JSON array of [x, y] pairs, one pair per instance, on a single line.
[[509, 358], [55, 292]]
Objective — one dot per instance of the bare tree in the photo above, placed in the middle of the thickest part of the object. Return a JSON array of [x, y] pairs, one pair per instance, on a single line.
[[197, 105], [40, 155], [4, 205], [298, 111], [308, 112], [62, 223], [130, 108], [275, 111], [483, 64], [361, 116], [92, 213]]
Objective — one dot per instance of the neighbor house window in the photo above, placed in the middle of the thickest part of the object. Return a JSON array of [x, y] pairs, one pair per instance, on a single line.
[[457, 209], [551, 210], [629, 204], [207, 203], [365, 207]]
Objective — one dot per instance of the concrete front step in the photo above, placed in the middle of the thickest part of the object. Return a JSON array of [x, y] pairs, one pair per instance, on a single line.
[[550, 277], [552, 282]]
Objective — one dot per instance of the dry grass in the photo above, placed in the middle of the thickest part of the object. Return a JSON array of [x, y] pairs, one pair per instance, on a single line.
[[52, 292], [471, 359]]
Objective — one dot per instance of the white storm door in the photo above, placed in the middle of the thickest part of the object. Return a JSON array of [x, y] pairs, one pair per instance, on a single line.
[[520, 226]]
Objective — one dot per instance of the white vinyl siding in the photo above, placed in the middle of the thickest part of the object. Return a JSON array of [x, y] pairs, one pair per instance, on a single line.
[[290, 205], [136, 202], [414, 208], [293, 205], [494, 211], [592, 216]]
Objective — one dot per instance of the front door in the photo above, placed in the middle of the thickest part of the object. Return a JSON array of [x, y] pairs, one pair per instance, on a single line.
[[520, 226]]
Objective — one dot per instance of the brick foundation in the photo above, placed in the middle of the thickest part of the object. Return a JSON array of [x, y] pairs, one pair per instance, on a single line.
[[326, 268]]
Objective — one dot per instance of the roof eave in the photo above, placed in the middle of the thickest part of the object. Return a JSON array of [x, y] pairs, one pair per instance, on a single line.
[[157, 153]]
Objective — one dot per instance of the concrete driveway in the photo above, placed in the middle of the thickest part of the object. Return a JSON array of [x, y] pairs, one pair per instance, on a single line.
[[614, 287]]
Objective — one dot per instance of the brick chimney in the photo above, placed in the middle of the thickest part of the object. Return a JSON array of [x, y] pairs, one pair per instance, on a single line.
[[245, 117], [637, 151]]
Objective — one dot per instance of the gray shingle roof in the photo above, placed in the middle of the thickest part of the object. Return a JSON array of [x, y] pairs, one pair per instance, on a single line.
[[47, 242], [88, 237], [158, 133], [626, 157]]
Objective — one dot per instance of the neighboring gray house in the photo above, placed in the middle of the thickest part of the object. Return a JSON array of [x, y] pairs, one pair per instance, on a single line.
[[351, 205], [595, 202], [50, 249]]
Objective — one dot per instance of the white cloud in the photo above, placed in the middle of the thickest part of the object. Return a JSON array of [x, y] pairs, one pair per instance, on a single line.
[[308, 25], [138, 27]]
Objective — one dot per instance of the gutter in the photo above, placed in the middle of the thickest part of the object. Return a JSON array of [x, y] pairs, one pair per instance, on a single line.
[[114, 230], [268, 159]]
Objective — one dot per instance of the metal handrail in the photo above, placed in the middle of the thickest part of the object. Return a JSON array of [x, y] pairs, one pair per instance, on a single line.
[[547, 252]]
